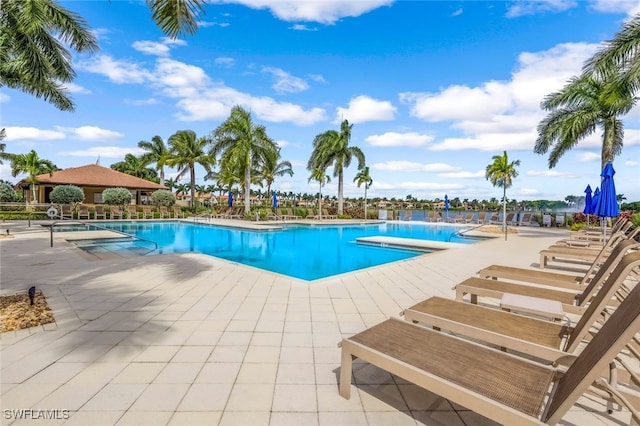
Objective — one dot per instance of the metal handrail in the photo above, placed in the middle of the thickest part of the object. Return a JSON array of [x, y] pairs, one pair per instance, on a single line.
[[62, 219]]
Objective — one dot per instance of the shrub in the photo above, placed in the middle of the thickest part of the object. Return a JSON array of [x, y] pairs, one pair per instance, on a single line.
[[116, 196], [66, 194], [164, 198], [7, 193]]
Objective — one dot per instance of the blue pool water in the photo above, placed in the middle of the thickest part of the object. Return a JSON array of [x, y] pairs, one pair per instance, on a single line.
[[305, 252]]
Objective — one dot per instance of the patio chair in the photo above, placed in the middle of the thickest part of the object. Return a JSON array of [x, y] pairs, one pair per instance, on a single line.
[[114, 211], [546, 220], [434, 216], [559, 220], [164, 212], [484, 217], [468, 217], [66, 211], [494, 219], [83, 212], [132, 212], [177, 212], [585, 254], [572, 297], [500, 386], [542, 339], [99, 212], [525, 220], [147, 212]]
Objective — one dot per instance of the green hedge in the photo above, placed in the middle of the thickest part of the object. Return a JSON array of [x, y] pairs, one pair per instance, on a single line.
[[23, 215]]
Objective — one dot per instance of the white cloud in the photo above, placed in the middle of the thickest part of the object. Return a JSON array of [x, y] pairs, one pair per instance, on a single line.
[[173, 41], [502, 115], [324, 12], [117, 71], [101, 33], [103, 152], [631, 163], [205, 24], [225, 61], [285, 82], [552, 173], [197, 97], [630, 7], [463, 175], [90, 133], [409, 166], [32, 134], [75, 88], [363, 108], [4, 97], [395, 139], [585, 157], [532, 7], [302, 27], [141, 102], [528, 192], [151, 48]]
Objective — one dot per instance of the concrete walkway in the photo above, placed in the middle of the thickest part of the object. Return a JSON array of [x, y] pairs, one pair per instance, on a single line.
[[191, 339]]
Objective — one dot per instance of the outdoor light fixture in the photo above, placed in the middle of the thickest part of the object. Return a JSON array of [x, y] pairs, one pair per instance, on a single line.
[[32, 294]]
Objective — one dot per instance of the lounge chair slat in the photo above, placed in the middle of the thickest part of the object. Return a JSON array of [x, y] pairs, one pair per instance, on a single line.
[[511, 381], [500, 287]]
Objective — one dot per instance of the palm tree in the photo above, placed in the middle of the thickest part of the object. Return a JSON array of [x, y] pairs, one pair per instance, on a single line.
[[33, 166], [271, 168], [620, 58], [175, 17], [156, 153], [364, 177], [583, 105], [3, 146], [134, 166], [186, 151], [501, 174], [620, 198], [245, 142], [33, 58], [320, 176], [332, 148]]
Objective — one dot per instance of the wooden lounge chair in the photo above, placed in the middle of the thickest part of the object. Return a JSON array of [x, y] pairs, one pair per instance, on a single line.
[[164, 212], [147, 212], [546, 220], [177, 212], [83, 212], [99, 212], [494, 219], [585, 254], [559, 220], [434, 216], [500, 386], [132, 212], [573, 297], [468, 217], [525, 220], [535, 337], [114, 211]]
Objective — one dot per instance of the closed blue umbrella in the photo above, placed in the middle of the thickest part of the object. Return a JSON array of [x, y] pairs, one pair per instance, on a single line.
[[275, 200], [588, 203], [595, 199], [446, 205], [607, 203], [230, 199]]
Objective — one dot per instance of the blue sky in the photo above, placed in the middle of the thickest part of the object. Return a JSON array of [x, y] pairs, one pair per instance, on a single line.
[[434, 89]]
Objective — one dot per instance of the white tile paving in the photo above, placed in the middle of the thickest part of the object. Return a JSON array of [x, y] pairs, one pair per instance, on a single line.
[[190, 339]]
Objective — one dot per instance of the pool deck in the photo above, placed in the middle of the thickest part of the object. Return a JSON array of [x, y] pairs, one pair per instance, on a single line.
[[191, 339]]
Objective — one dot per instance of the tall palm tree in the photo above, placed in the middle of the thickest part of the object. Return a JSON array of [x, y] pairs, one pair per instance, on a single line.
[[364, 177], [332, 148], [3, 146], [583, 105], [320, 176], [187, 150], [501, 174], [240, 140], [134, 166], [620, 58], [272, 167], [175, 17], [156, 153], [32, 165], [33, 58]]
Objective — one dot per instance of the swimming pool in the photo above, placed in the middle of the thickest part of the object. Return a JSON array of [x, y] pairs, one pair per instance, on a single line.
[[300, 251]]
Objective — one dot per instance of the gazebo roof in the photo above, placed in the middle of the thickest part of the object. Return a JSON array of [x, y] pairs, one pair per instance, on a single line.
[[94, 175]]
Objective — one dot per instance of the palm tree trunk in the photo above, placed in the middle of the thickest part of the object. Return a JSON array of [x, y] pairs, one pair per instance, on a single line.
[[320, 202], [193, 187], [162, 176], [504, 211], [247, 193], [365, 201], [340, 201]]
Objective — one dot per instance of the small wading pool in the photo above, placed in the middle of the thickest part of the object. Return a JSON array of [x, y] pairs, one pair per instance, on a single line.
[[300, 251]]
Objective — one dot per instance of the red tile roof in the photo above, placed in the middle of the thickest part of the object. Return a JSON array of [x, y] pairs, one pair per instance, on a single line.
[[94, 175]]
